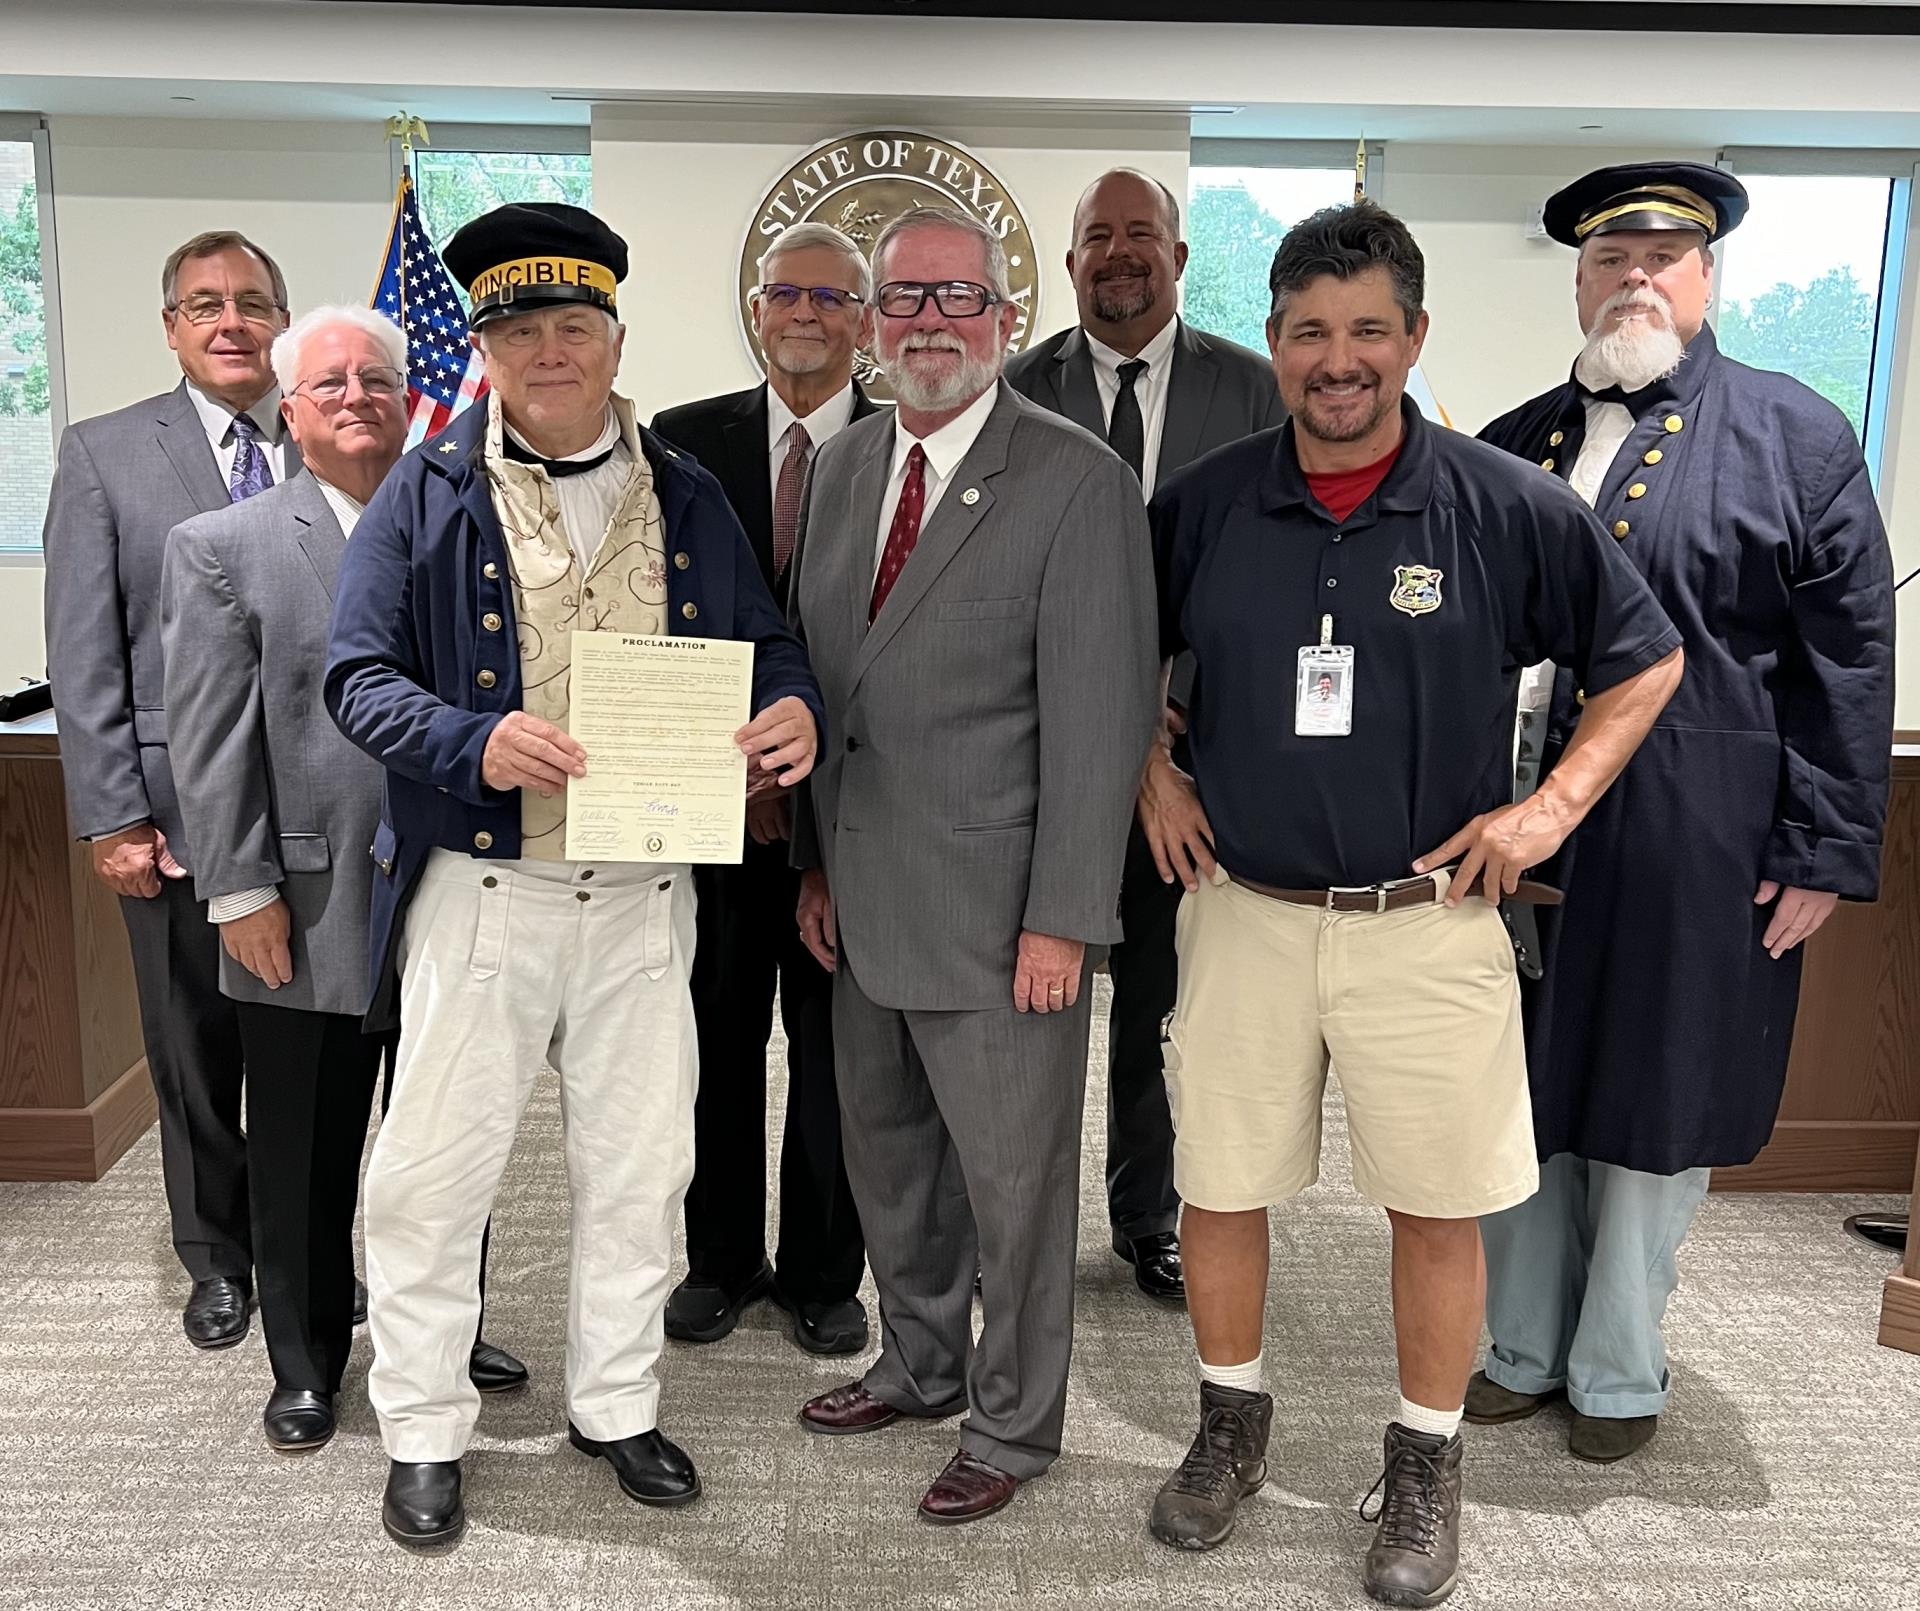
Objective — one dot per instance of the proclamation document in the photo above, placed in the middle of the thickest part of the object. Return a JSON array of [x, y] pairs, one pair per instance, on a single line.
[[656, 716]]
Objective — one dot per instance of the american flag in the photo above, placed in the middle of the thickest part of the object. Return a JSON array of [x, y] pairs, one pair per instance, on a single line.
[[444, 373]]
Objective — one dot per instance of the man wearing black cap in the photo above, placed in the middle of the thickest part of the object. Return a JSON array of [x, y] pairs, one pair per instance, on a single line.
[[1754, 806], [547, 512]]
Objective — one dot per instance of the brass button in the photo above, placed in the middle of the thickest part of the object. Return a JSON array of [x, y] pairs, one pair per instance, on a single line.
[[483, 840], [1546, 464], [1556, 439], [486, 679], [490, 571], [690, 610], [1675, 424], [489, 882], [1620, 528], [681, 561], [1637, 490], [1579, 696], [387, 867], [581, 895], [490, 621], [1653, 456]]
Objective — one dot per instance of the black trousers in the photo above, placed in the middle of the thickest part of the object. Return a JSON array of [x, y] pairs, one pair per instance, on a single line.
[[1140, 1197], [310, 1078], [194, 1057], [747, 942]]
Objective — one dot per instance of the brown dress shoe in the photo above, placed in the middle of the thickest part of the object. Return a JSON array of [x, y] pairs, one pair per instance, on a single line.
[[847, 1409], [1490, 1404], [967, 1490], [1601, 1442]]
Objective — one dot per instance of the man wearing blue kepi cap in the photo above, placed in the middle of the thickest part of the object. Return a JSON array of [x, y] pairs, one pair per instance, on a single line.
[[544, 513], [1658, 1036]]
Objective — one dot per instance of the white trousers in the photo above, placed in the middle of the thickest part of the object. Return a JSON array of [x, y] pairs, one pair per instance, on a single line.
[[506, 966]]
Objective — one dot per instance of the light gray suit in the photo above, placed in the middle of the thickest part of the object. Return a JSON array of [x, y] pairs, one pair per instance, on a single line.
[[123, 482], [985, 737]]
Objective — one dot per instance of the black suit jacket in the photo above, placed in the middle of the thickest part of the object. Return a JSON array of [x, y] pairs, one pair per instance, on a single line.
[[728, 435], [1218, 391]]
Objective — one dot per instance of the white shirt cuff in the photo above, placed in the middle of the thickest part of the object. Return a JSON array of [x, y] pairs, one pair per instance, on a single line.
[[241, 903]]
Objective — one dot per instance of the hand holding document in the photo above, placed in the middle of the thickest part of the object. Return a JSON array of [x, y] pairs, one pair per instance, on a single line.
[[665, 779]]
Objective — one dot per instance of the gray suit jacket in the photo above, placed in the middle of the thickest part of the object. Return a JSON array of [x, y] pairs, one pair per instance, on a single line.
[[987, 731], [273, 792], [123, 481]]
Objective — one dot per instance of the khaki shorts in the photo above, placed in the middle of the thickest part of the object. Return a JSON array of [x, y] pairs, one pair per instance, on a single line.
[[1418, 1011]]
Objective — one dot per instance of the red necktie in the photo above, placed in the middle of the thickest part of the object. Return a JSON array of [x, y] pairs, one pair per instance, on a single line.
[[904, 532], [786, 496]]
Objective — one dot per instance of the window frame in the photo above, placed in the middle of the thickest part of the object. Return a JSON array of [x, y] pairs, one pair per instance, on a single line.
[[31, 129], [546, 139]]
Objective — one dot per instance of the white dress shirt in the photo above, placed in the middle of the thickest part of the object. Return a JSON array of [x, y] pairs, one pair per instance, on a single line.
[[245, 902], [945, 448], [1608, 425], [823, 425], [588, 500], [217, 420], [1150, 389]]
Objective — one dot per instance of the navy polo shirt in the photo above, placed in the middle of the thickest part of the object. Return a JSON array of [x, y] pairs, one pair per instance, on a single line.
[[1248, 562]]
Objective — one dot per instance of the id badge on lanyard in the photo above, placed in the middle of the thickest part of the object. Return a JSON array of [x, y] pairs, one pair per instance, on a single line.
[[1323, 687]]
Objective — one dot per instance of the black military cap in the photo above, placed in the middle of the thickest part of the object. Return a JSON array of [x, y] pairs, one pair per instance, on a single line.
[[535, 254], [1647, 195]]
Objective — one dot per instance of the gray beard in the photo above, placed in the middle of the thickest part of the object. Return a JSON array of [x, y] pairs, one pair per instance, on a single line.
[[969, 379], [1631, 356]]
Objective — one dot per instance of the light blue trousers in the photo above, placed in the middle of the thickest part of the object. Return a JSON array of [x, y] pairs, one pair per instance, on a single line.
[[1578, 1278]]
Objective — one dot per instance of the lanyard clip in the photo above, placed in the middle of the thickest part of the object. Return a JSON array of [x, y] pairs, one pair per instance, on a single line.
[[1326, 631]]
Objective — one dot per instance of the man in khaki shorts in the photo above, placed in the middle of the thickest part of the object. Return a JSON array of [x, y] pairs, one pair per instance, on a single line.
[[1359, 590]]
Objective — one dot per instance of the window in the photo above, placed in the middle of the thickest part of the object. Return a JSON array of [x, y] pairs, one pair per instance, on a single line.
[[1242, 197], [1810, 283], [27, 380], [468, 171]]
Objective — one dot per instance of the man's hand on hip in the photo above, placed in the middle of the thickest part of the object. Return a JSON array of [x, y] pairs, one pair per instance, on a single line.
[[815, 915], [1174, 822], [1497, 847], [524, 752], [780, 744], [128, 862], [1798, 916], [258, 942], [1046, 973]]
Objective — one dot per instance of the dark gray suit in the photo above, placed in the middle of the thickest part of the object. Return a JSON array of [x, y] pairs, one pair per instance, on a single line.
[[984, 743], [123, 482], [277, 797], [1217, 393]]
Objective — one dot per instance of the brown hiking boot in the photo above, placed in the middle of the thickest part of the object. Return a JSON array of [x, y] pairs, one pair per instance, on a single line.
[[1415, 1556], [1490, 1404], [1228, 1461]]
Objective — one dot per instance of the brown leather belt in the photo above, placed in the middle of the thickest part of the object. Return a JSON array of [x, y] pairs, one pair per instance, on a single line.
[[1394, 897]]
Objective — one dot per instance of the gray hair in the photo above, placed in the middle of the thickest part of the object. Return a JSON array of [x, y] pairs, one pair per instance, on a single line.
[[964, 223], [287, 345], [798, 237], [211, 243], [1345, 242], [1166, 196]]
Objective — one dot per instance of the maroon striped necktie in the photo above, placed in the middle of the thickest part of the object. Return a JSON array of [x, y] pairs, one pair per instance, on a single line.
[[905, 530], [786, 495]]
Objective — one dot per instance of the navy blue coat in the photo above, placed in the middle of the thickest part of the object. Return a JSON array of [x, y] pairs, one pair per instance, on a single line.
[[1658, 1037], [425, 563]]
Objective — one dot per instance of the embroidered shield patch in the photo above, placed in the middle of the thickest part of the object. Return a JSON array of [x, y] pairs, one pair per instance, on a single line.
[[1416, 589]]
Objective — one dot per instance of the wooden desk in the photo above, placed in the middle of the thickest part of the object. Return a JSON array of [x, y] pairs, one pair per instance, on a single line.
[[74, 1092]]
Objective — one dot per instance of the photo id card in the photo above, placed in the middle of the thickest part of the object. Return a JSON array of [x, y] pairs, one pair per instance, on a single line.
[[1323, 692]]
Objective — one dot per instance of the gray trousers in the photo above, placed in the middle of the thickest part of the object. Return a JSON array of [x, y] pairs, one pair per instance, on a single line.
[[1578, 1278], [962, 1138]]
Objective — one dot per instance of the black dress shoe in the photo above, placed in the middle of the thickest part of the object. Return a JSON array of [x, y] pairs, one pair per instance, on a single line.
[[216, 1312], [359, 1302], [494, 1370], [652, 1468], [1156, 1264], [422, 1506], [827, 1328], [298, 1420], [704, 1312]]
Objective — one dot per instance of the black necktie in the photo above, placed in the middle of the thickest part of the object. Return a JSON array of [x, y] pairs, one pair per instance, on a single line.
[[1127, 430], [554, 467]]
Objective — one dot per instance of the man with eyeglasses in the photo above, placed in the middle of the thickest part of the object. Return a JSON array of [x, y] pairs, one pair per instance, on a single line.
[[545, 513], [975, 588], [123, 482], [1160, 394], [811, 314]]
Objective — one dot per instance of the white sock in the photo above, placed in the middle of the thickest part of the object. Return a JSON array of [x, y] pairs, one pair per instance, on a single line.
[[1245, 1378], [1435, 1423]]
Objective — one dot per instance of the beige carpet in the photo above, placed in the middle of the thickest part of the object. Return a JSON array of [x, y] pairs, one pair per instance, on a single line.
[[132, 1471]]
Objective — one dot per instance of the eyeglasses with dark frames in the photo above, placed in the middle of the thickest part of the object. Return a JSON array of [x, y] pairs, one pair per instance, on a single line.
[[957, 299]]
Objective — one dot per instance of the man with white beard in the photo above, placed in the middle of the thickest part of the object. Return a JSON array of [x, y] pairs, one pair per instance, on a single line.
[[1752, 809]]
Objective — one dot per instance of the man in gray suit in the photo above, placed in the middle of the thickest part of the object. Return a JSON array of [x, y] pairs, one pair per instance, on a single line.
[[125, 480], [1161, 394], [976, 594]]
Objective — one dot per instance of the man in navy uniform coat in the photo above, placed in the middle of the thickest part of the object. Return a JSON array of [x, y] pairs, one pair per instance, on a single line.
[[1658, 1037]]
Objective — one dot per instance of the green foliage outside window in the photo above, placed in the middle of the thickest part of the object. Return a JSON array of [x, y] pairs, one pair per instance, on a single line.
[[1231, 238], [23, 318], [1820, 333], [458, 186]]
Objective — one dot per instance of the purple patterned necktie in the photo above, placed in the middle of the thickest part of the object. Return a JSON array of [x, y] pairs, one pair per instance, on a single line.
[[251, 472]]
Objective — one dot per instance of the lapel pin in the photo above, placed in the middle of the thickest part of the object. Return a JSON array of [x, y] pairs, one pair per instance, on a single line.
[[449, 447], [970, 497]]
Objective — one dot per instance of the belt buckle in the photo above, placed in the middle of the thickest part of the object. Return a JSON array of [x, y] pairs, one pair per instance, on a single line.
[[1377, 891]]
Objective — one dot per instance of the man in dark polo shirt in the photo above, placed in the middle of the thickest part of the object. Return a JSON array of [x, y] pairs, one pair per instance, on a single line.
[[1359, 590]]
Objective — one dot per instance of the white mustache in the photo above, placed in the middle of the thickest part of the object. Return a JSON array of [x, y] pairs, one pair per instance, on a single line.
[[1639, 297]]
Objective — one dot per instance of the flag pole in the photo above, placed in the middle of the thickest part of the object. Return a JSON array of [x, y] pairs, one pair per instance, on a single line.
[[1360, 171]]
